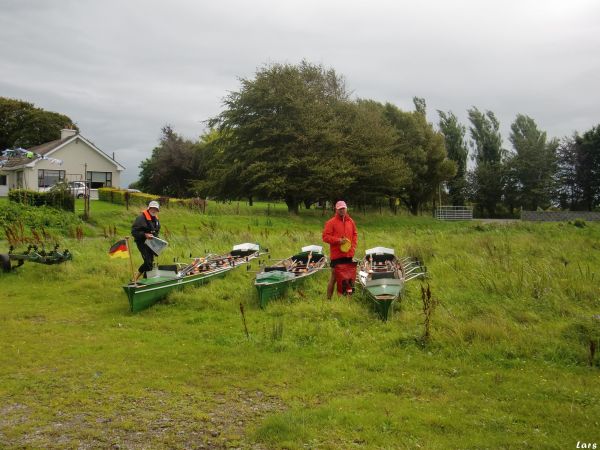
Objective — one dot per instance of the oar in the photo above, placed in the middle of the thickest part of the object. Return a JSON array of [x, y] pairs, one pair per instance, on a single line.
[[291, 267], [308, 260]]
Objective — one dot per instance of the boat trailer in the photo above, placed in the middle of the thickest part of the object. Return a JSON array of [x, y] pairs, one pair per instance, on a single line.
[[33, 254]]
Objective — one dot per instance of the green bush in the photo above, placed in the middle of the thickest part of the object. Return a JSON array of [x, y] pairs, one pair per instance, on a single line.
[[37, 217], [60, 198], [122, 197]]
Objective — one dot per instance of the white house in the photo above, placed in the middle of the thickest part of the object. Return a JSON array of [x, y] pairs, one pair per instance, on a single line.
[[70, 158]]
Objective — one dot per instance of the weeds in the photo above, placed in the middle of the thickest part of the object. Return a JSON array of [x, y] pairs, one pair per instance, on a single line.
[[429, 305], [15, 234], [244, 321], [586, 332], [586, 275], [277, 330], [108, 232], [422, 252]]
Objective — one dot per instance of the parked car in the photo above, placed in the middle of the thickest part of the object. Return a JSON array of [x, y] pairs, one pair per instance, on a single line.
[[77, 188]]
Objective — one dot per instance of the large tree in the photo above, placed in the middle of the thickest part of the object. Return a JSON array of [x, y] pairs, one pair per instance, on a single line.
[[369, 141], [568, 193], [588, 167], [532, 165], [214, 177], [488, 175], [456, 147], [282, 135], [171, 167], [24, 125], [423, 151]]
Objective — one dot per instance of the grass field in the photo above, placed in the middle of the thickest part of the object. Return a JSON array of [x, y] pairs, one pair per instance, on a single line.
[[508, 364]]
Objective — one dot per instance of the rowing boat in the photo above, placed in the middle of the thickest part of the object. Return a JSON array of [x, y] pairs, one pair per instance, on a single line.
[[382, 276], [167, 278], [273, 281]]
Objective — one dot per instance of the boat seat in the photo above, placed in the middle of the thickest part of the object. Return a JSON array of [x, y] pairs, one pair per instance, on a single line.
[[379, 275]]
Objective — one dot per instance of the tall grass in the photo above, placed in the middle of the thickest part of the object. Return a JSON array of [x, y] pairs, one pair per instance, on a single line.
[[507, 365]]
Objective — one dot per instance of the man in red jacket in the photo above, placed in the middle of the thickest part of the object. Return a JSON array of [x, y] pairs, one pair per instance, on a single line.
[[340, 233]]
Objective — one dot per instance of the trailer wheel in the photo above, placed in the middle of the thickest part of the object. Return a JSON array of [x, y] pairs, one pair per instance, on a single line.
[[4, 262]]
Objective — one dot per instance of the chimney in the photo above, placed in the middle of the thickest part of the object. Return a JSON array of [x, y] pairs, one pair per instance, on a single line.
[[67, 133]]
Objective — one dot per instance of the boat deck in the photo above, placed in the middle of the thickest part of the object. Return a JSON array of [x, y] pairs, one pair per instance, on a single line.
[[154, 280]]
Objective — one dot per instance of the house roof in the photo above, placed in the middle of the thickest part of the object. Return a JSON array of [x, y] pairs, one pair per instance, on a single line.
[[39, 149], [48, 148]]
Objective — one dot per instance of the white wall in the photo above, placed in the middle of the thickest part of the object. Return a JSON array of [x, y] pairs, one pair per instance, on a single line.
[[74, 156]]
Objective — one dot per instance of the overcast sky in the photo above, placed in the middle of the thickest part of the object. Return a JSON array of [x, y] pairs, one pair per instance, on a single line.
[[123, 69]]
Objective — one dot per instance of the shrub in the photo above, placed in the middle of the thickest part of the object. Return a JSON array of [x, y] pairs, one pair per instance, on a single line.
[[124, 197], [37, 217], [60, 198]]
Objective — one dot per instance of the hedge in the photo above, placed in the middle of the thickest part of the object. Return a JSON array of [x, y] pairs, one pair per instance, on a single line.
[[60, 199], [124, 197], [121, 197]]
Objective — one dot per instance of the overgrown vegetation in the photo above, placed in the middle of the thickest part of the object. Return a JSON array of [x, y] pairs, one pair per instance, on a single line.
[[137, 199], [38, 217], [509, 360], [57, 198]]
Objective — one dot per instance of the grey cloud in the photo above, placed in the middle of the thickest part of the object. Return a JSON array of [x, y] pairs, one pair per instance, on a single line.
[[122, 70]]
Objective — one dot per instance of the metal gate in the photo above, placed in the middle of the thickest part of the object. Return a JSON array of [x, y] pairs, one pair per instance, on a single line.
[[454, 213]]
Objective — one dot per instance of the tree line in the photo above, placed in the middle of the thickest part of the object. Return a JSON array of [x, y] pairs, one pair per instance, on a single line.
[[292, 132]]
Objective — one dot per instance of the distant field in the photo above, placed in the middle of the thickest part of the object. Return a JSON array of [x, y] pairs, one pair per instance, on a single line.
[[508, 365]]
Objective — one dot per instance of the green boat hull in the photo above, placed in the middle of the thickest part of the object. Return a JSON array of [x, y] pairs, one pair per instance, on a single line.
[[151, 290], [275, 283], [270, 291], [383, 293]]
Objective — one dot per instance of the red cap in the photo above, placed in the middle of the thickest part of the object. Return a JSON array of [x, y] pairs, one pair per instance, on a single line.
[[341, 204]]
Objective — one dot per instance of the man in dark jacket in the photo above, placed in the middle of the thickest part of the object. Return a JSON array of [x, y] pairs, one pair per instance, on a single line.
[[146, 226], [341, 235]]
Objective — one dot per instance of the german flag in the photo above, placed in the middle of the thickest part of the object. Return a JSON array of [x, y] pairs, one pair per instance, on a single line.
[[119, 250]]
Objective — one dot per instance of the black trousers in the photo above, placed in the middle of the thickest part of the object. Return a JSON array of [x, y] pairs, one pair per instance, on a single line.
[[335, 262], [147, 255]]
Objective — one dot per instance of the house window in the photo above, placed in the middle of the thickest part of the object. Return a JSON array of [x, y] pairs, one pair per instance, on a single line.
[[99, 179], [20, 179], [48, 178], [2, 180]]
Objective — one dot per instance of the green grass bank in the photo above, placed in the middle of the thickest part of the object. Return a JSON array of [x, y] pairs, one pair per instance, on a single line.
[[508, 364]]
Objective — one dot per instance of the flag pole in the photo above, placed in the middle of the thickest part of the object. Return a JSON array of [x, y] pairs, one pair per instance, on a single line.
[[130, 259]]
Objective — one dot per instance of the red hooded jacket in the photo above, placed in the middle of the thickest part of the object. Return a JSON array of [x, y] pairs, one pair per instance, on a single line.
[[336, 228]]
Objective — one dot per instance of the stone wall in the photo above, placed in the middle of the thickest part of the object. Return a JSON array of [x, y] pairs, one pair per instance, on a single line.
[[559, 216]]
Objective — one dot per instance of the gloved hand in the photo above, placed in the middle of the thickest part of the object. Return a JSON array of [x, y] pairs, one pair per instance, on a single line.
[[345, 244]]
